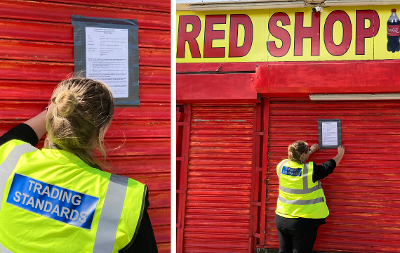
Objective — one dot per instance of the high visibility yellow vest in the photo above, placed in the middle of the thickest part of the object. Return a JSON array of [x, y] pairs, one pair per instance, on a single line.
[[51, 201], [299, 196]]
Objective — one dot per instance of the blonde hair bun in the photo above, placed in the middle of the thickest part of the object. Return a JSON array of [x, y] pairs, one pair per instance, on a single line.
[[296, 150], [66, 103], [80, 113]]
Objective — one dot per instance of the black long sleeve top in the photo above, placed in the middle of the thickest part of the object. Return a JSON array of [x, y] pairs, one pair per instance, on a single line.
[[144, 242], [320, 172]]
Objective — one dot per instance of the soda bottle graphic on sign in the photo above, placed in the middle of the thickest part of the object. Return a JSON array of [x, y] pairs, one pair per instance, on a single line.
[[393, 32]]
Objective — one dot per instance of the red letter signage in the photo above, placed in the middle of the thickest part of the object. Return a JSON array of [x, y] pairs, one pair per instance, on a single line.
[[279, 33], [210, 34], [331, 47], [301, 32], [190, 37], [245, 21], [362, 32]]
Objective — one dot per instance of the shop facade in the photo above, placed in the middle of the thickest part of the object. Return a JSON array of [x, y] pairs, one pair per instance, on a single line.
[[252, 81]]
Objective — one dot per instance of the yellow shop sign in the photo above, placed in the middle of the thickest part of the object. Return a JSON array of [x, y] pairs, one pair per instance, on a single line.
[[337, 33]]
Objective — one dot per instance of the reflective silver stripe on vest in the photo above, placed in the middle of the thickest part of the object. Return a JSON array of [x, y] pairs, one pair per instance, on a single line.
[[111, 214], [302, 191], [280, 169], [305, 189], [301, 201], [4, 250], [7, 167], [305, 176]]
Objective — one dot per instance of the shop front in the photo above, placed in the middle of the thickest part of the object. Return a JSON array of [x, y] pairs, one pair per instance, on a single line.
[[251, 82]]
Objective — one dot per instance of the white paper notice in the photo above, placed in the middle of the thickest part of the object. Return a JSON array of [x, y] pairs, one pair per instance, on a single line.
[[107, 58], [329, 134]]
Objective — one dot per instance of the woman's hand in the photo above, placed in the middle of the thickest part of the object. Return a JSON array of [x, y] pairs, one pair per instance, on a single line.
[[339, 156], [314, 148], [340, 150]]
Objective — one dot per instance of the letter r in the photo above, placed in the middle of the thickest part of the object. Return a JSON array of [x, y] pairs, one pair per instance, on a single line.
[[190, 37]]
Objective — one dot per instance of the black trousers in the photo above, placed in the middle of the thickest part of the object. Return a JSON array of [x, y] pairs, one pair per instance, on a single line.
[[296, 241]]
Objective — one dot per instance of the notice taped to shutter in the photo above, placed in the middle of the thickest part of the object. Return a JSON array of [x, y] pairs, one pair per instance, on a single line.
[[329, 133], [107, 58], [107, 50]]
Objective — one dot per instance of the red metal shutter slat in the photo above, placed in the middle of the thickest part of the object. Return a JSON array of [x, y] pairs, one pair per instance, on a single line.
[[362, 192], [217, 215], [36, 52]]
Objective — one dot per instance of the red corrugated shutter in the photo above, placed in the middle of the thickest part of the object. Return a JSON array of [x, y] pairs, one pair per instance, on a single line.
[[36, 52], [217, 215], [362, 193]]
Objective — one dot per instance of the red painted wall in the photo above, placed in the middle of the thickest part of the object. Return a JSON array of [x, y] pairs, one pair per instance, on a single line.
[[36, 52], [361, 193], [286, 78], [215, 191], [220, 83], [222, 87]]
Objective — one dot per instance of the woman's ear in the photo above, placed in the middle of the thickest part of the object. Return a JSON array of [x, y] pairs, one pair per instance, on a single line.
[[303, 157]]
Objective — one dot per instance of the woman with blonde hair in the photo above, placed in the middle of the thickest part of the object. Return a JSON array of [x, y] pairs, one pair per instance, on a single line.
[[301, 206], [58, 199]]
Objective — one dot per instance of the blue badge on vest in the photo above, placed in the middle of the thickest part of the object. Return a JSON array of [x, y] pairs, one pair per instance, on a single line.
[[54, 202], [296, 172]]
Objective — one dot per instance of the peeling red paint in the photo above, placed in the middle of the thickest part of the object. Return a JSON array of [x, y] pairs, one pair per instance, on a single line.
[[362, 193], [219, 175], [36, 52]]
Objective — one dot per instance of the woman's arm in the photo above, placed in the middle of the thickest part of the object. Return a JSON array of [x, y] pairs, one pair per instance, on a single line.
[[339, 156], [323, 170], [31, 131], [313, 149], [144, 242], [38, 124]]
